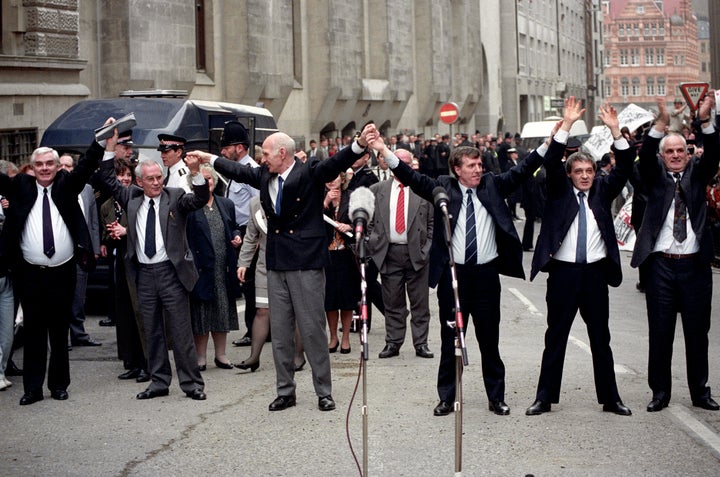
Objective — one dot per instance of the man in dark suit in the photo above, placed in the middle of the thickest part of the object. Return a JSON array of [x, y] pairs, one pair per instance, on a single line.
[[45, 235], [400, 235], [674, 245], [578, 248], [291, 193], [490, 247], [159, 257]]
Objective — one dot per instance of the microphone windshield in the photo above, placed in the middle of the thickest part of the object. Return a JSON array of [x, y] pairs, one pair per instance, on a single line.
[[362, 204], [440, 197]]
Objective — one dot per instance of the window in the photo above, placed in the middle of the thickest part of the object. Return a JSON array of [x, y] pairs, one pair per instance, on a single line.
[[704, 67], [623, 57], [653, 27], [635, 29], [649, 56], [606, 59], [646, 29], [636, 87], [661, 87], [702, 47], [624, 87], [608, 90], [640, 10], [17, 145], [635, 56], [200, 58], [660, 56], [650, 87], [621, 29]]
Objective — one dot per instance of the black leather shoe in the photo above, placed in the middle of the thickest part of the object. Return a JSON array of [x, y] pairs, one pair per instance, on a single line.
[[131, 374], [152, 393], [196, 395], [252, 366], [12, 369], [499, 408], [142, 377], [345, 350], [222, 365], [244, 341], [537, 408], [31, 397], [326, 403], [657, 404], [389, 351], [443, 409], [708, 404], [106, 322], [299, 367], [617, 408], [202, 367], [281, 403], [59, 394], [86, 342], [423, 351]]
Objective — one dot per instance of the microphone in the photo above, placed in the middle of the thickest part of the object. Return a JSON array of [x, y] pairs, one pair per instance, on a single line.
[[441, 200], [361, 208]]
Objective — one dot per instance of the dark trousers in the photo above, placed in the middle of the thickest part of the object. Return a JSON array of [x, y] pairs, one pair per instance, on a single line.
[[128, 324], [46, 296], [479, 292], [158, 288], [572, 287], [678, 286]]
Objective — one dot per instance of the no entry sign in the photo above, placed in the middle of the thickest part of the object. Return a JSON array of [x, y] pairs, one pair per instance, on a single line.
[[449, 113]]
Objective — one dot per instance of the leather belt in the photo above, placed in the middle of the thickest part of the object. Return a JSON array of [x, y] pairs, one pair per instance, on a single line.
[[677, 256]]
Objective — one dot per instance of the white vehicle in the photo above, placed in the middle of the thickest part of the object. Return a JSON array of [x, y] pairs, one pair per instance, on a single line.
[[535, 132]]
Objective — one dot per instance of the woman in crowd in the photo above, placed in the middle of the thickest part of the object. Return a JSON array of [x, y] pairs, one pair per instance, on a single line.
[[214, 236], [342, 278]]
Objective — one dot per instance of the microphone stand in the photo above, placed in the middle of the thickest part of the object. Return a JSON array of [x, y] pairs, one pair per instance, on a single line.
[[362, 258], [461, 358]]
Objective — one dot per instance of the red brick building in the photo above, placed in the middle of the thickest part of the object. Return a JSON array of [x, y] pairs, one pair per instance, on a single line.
[[651, 46]]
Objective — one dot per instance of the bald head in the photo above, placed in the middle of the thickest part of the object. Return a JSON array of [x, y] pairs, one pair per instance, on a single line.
[[278, 151]]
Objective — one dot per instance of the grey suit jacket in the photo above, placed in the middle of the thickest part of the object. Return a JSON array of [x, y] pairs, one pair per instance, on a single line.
[[174, 205], [419, 227], [91, 217]]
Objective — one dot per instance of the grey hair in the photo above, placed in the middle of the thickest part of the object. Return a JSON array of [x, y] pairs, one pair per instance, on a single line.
[[44, 150], [7, 167], [205, 167], [144, 163], [579, 156], [661, 146]]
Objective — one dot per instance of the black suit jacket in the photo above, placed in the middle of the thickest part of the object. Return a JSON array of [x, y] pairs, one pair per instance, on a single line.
[[364, 177], [660, 189], [562, 208], [492, 191], [200, 241], [296, 239], [22, 192]]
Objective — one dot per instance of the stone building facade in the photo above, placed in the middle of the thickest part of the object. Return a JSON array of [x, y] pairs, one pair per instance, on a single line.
[[320, 66]]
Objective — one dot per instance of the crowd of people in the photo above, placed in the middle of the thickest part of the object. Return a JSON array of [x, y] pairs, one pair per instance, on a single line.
[[272, 224]]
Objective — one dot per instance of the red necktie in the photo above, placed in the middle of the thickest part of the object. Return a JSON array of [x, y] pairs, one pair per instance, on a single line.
[[400, 211]]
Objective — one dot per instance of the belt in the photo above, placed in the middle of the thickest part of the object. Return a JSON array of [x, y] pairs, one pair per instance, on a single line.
[[677, 256]]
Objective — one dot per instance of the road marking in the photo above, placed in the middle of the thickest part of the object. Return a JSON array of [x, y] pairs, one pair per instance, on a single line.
[[703, 432], [619, 368], [524, 300]]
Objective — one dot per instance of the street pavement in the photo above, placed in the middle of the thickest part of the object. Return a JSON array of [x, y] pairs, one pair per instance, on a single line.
[[102, 430]]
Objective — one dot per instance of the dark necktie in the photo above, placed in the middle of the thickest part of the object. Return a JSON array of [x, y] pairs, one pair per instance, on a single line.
[[227, 188], [470, 232], [400, 211], [581, 250], [167, 178], [48, 237], [150, 231], [278, 200], [680, 217]]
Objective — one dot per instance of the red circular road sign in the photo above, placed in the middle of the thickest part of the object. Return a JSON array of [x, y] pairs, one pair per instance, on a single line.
[[449, 113]]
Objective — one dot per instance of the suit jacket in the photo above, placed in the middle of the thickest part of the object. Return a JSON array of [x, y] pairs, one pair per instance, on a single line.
[[562, 207], [200, 241], [174, 206], [21, 190], [419, 227], [255, 238], [492, 191], [296, 239], [660, 189], [91, 216]]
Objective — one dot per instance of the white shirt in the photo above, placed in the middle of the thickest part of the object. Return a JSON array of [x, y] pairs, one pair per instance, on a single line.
[[395, 237], [177, 176], [140, 223], [241, 194], [31, 240], [484, 228], [596, 249], [666, 241]]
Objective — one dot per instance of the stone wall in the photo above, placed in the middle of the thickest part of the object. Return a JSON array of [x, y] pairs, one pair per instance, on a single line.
[[52, 28]]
